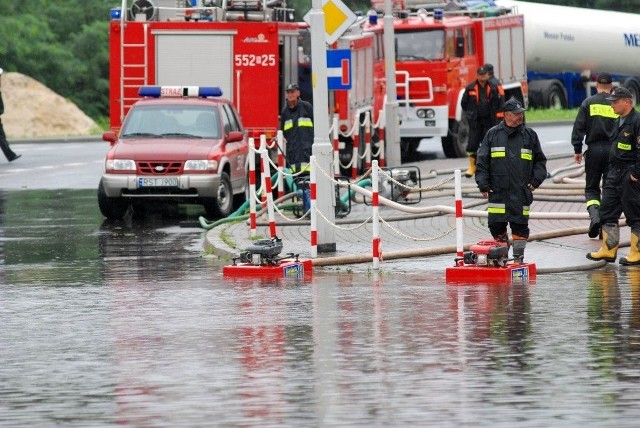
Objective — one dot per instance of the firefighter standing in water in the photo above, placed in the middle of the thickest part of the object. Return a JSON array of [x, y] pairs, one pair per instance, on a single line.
[[296, 123], [481, 103], [594, 125], [511, 165], [621, 190]]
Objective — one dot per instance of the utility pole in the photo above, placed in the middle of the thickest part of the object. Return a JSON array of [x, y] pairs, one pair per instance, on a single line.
[[322, 147], [392, 134]]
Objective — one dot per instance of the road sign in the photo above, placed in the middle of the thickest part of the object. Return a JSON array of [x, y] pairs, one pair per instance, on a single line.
[[338, 69], [337, 18]]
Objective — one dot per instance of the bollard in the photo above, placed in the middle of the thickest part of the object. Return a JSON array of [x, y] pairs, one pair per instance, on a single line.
[[458, 196], [376, 242]]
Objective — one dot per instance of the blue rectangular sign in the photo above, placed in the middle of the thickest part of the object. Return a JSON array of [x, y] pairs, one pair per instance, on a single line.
[[338, 69]]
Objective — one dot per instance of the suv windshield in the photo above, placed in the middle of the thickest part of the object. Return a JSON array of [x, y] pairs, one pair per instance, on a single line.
[[172, 120]]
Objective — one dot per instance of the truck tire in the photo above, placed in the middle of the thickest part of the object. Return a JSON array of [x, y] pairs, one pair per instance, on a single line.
[[554, 95], [409, 149], [111, 208], [454, 145], [222, 205], [633, 85]]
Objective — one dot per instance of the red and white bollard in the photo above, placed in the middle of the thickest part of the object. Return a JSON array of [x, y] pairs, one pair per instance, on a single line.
[[376, 240], [252, 187], [367, 139], [266, 171], [336, 146], [381, 139], [355, 158], [312, 205], [281, 162], [458, 196]]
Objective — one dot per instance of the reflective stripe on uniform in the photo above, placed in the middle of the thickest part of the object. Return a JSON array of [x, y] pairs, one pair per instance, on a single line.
[[305, 121], [525, 210], [496, 209], [602, 110], [498, 152], [593, 202], [287, 125], [526, 154]]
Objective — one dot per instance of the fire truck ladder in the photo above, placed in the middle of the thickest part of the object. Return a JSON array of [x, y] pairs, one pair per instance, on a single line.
[[129, 79]]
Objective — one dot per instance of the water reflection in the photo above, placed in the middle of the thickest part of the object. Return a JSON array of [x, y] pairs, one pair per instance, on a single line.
[[127, 323], [614, 322]]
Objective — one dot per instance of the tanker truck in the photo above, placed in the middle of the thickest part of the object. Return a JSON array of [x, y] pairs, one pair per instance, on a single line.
[[567, 47]]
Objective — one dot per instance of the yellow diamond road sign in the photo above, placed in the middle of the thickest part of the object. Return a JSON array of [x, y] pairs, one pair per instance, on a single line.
[[337, 18]]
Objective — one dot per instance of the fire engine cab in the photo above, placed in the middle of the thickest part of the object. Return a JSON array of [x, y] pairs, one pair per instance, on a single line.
[[247, 48], [438, 51]]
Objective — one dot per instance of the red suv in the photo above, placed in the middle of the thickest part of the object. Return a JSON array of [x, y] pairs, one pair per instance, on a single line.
[[177, 144]]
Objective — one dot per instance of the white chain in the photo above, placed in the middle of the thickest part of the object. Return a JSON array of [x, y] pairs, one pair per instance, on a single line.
[[413, 238]]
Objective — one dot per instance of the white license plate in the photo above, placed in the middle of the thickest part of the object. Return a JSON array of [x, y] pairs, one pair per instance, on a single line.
[[157, 182]]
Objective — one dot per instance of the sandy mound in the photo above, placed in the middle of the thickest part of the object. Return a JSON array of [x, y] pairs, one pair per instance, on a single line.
[[33, 110]]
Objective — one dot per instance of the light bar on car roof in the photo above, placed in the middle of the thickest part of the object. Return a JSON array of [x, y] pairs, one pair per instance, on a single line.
[[180, 91]]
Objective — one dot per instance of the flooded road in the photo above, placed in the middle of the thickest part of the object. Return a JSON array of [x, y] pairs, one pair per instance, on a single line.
[[131, 324]]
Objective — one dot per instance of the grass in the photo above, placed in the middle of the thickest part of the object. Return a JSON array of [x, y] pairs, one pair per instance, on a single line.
[[551, 115]]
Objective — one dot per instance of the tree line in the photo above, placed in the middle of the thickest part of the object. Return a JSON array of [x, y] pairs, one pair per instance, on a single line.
[[64, 44]]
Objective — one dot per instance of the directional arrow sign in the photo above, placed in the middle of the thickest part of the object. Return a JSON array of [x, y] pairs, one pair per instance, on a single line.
[[337, 18]]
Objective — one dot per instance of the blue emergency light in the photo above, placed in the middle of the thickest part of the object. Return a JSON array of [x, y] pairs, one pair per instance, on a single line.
[[373, 17], [180, 91], [116, 13]]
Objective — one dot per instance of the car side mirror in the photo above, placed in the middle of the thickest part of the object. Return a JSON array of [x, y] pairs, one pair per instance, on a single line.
[[235, 136], [110, 137]]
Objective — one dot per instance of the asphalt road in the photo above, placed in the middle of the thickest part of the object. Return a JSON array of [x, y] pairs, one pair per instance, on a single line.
[[78, 163]]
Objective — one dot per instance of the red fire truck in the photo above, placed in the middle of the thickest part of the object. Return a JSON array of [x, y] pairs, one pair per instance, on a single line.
[[248, 48], [437, 54]]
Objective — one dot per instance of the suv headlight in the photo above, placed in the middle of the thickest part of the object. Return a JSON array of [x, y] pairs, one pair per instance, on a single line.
[[201, 165], [120, 165]]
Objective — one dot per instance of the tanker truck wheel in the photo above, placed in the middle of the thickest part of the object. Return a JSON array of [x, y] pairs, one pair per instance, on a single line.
[[454, 145], [554, 96], [633, 85]]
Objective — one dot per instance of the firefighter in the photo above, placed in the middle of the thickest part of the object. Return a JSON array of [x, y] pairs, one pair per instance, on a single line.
[[296, 123], [594, 125], [621, 190], [511, 165], [4, 144], [481, 103], [494, 80]]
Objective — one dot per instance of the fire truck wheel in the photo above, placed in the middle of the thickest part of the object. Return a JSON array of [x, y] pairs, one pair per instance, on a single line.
[[222, 204], [409, 149], [111, 208], [454, 145]]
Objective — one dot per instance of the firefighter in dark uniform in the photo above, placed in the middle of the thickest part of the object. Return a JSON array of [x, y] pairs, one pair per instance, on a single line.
[[496, 82], [511, 165], [296, 123], [594, 124], [621, 190], [481, 103]]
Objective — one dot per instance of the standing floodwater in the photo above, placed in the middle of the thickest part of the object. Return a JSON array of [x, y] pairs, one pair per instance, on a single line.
[[129, 324]]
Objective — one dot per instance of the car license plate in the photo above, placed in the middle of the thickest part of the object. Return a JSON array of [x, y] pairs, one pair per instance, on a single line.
[[157, 182], [429, 123]]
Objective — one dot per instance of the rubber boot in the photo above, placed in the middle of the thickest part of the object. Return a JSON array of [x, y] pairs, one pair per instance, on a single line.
[[519, 243], [633, 258], [594, 226], [470, 172], [610, 242]]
